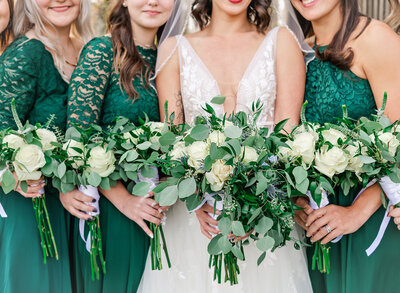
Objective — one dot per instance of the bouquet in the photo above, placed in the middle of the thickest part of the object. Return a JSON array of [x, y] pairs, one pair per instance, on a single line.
[[28, 151], [86, 161], [225, 163]]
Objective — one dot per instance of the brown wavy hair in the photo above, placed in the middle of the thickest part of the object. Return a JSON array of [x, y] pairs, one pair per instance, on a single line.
[[393, 19], [257, 13], [7, 35], [127, 59], [335, 52]]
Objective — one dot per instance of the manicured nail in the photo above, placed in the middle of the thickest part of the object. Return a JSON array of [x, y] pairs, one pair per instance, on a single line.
[[93, 200], [95, 211], [160, 211], [151, 236], [153, 204]]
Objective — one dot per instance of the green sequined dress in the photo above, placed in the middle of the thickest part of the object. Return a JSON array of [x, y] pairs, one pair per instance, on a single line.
[[28, 74], [95, 96], [352, 271]]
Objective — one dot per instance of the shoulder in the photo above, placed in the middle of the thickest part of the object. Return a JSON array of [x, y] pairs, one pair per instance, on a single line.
[[286, 40], [101, 45]]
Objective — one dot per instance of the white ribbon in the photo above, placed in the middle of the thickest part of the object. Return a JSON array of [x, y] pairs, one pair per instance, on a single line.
[[392, 191], [93, 193], [2, 211]]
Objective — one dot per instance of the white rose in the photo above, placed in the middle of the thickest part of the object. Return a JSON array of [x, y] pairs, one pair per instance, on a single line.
[[228, 123], [13, 141], [331, 162], [216, 137], [46, 138], [70, 147], [333, 135], [249, 154], [218, 175], [310, 129], [28, 161], [355, 163], [136, 132], [178, 151], [101, 161], [390, 141], [197, 152], [285, 153], [303, 146], [156, 126]]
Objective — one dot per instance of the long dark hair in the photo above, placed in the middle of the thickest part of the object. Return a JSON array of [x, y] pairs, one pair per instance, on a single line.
[[335, 52], [7, 34], [257, 13], [127, 59]]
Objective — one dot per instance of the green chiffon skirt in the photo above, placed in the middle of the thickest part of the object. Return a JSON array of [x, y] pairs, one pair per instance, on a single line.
[[21, 258], [125, 248], [352, 271]]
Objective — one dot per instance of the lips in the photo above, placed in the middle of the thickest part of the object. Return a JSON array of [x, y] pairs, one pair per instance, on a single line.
[[235, 1], [152, 12], [60, 8], [308, 3]]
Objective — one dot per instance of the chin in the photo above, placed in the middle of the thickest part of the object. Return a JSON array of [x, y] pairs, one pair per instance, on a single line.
[[313, 10]]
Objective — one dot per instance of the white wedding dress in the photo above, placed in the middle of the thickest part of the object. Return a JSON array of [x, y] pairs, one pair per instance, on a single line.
[[285, 270]]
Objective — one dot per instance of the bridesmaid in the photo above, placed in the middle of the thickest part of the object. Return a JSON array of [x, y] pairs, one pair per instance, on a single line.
[[35, 70], [393, 19], [357, 61], [111, 80], [6, 15]]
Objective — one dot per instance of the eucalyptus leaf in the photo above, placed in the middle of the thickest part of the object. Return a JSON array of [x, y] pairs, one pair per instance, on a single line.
[[225, 225], [237, 252], [199, 132], [233, 132], [168, 196], [187, 187], [141, 188], [218, 100], [224, 244], [265, 243], [144, 146], [237, 229], [264, 225], [8, 181], [94, 179], [213, 247], [148, 171], [167, 139], [61, 170]]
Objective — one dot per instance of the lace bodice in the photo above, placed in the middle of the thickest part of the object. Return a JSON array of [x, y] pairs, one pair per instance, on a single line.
[[95, 95], [28, 75], [198, 86]]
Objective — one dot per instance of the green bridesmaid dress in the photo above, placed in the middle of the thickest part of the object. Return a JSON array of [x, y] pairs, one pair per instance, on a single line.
[[28, 74], [352, 271], [95, 96]]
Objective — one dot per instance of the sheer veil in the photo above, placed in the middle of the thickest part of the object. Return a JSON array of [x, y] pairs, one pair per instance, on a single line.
[[281, 11]]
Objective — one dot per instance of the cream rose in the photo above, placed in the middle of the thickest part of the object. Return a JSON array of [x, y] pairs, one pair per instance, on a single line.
[[216, 137], [390, 141], [285, 153], [156, 126], [218, 175], [197, 152], [355, 163], [178, 151], [311, 129], [101, 161], [28, 161], [46, 138], [333, 135], [331, 162], [248, 155], [13, 141], [129, 136], [303, 146], [78, 157]]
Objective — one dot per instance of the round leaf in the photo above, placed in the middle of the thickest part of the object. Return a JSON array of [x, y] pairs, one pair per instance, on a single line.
[[213, 247], [168, 196], [187, 187], [141, 188], [237, 229], [94, 179], [199, 132], [233, 132], [167, 139], [225, 244], [265, 243], [264, 225], [225, 225]]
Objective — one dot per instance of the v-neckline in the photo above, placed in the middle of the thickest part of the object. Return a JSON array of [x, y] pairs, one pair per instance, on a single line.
[[246, 72]]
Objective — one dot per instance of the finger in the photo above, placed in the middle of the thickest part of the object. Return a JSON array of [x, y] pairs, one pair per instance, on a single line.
[[34, 182], [155, 213], [308, 209], [208, 219], [205, 233], [150, 202], [145, 228], [395, 213], [210, 229], [77, 213], [35, 189], [317, 225], [321, 233], [210, 209], [396, 221], [149, 194], [29, 195], [83, 207], [300, 222], [398, 227], [316, 214], [80, 196], [331, 236], [151, 219], [302, 215]]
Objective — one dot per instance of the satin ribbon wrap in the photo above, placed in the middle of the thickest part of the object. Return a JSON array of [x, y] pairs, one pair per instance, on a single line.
[[2, 211], [392, 191], [93, 193]]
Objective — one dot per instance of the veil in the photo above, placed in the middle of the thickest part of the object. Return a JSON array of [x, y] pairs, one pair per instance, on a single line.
[[282, 12]]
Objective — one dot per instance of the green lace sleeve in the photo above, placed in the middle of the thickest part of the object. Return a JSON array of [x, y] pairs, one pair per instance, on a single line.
[[89, 82], [18, 80]]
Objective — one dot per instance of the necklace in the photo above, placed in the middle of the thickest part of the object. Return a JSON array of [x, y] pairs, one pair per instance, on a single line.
[[146, 46], [70, 64]]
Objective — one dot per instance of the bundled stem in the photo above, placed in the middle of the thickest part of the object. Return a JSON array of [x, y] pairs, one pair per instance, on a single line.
[[321, 258], [231, 267], [47, 240], [96, 248], [155, 247]]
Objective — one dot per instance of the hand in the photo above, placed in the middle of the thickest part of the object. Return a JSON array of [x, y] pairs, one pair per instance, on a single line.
[[395, 213], [206, 221], [34, 187], [300, 216], [143, 208], [340, 220], [74, 202]]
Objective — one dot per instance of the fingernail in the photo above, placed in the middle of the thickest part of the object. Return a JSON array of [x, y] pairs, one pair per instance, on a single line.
[[307, 235], [312, 241], [153, 204], [160, 211], [307, 225], [151, 236], [93, 200], [94, 210], [90, 219]]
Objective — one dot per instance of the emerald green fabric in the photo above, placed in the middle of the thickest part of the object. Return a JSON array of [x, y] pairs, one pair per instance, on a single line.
[[352, 271], [95, 96], [28, 74]]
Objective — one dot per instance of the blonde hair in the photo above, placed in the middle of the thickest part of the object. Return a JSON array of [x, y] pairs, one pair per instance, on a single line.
[[28, 16], [393, 19]]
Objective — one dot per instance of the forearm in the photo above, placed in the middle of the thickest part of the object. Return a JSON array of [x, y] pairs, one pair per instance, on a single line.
[[117, 195], [367, 203]]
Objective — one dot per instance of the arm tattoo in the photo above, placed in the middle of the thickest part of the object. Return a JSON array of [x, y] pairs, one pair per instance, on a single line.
[[179, 106]]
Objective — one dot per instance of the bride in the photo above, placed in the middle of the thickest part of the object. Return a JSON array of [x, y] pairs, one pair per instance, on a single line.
[[235, 54]]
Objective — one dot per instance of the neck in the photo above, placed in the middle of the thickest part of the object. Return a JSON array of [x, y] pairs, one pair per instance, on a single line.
[[326, 27], [143, 36], [63, 34], [225, 25]]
